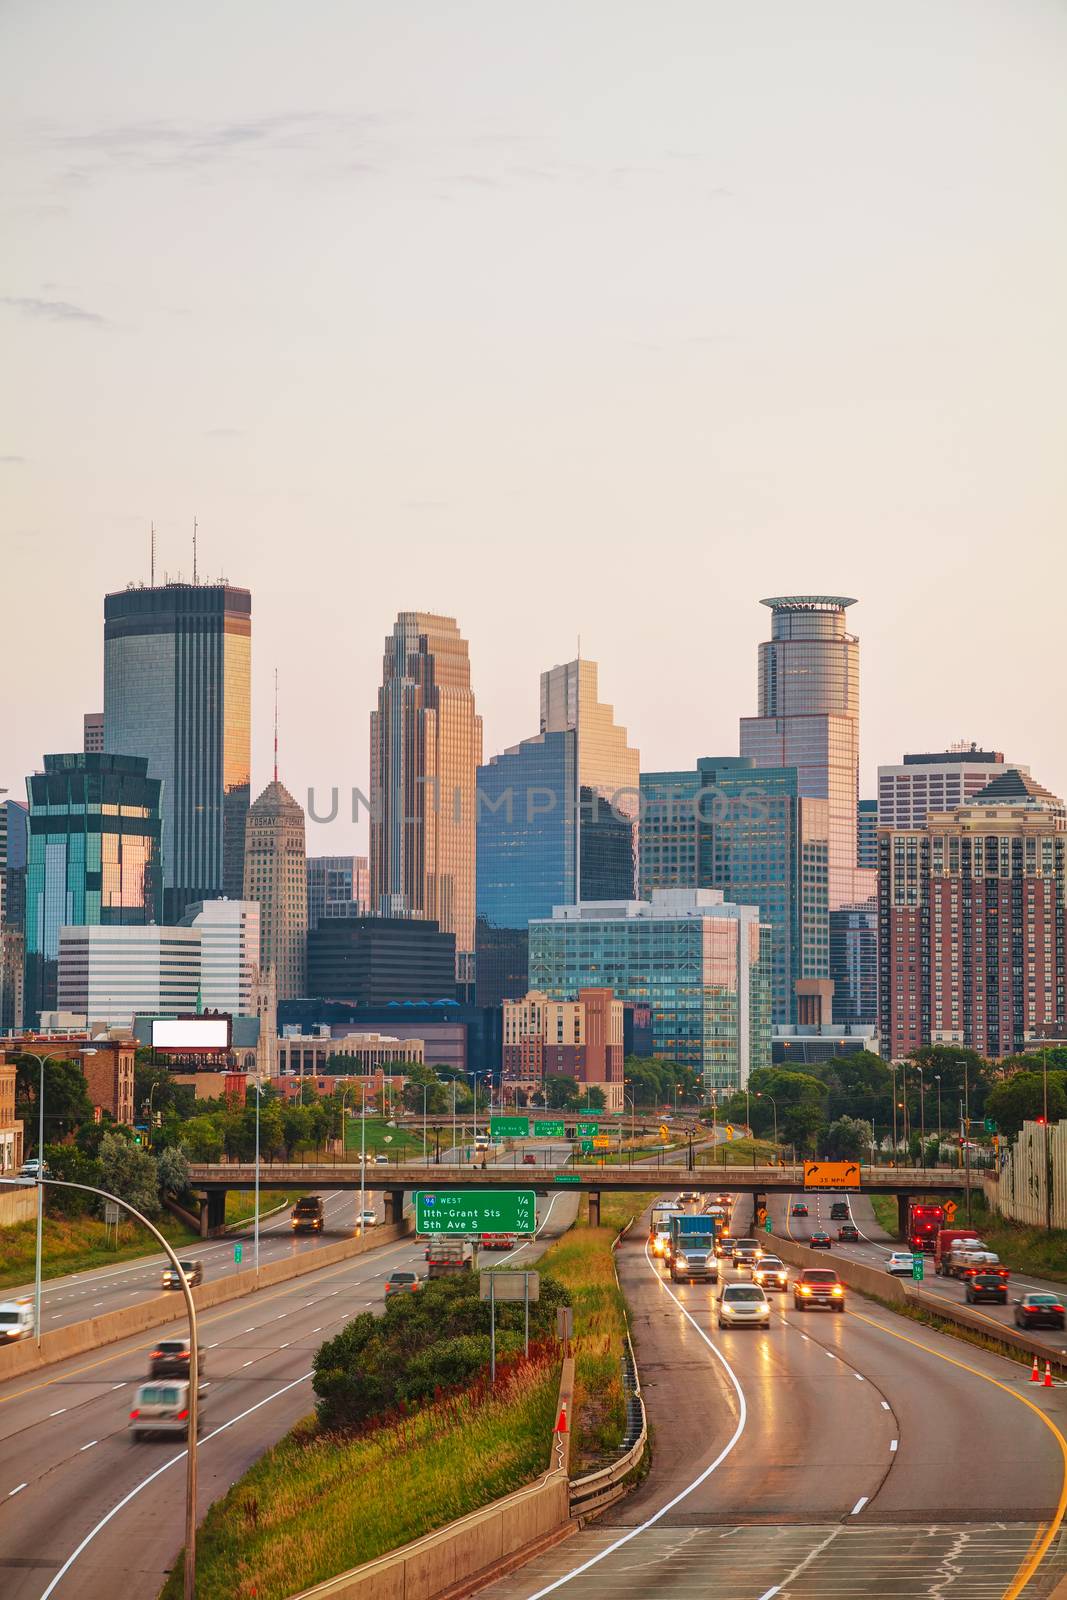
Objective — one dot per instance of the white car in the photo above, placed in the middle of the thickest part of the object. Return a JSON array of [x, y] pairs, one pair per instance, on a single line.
[[899, 1262], [16, 1320], [744, 1305], [366, 1219], [163, 1407]]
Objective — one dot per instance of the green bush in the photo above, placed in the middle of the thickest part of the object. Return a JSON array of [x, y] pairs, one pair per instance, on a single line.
[[448, 1364]]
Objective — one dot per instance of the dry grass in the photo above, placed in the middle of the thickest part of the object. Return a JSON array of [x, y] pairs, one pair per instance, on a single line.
[[77, 1244]]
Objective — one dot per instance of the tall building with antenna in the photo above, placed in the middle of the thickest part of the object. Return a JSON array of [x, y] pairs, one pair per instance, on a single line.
[[177, 690]]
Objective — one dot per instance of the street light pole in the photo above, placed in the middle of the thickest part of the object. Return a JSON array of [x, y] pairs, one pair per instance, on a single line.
[[255, 1236], [922, 1109], [761, 1094], [424, 1089], [55, 1055], [937, 1080], [363, 1159], [1048, 1164]]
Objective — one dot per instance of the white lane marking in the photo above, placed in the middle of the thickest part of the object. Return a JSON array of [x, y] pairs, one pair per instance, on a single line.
[[284, 1346], [115, 1386], [152, 1476], [860, 1503], [246, 1363], [859, 1376], [317, 1330], [58, 1413], [16, 1490], [688, 1490], [893, 1443], [88, 1446], [885, 1405], [831, 1355]]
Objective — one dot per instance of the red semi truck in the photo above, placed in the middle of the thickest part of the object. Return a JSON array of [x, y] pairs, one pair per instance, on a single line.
[[946, 1238], [924, 1224]]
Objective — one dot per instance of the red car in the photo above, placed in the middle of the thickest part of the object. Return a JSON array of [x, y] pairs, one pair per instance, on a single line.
[[798, 1209], [820, 1240]]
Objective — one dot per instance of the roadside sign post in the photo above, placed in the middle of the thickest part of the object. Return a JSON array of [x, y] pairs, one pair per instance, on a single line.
[[918, 1267], [238, 1251], [508, 1286], [767, 1227]]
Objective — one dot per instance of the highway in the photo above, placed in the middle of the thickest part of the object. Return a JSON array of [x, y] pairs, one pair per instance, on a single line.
[[93, 1514], [877, 1245], [829, 1457]]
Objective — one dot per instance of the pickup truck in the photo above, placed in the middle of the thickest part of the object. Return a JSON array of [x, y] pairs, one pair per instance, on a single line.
[[499, 1241]]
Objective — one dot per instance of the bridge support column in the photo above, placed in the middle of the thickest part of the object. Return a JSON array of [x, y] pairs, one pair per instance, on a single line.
[[594, 1208], [394, 1205], [902, 1215], [212, 1212]]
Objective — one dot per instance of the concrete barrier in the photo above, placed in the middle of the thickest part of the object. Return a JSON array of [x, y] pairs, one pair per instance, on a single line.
[[868, 1280], [78, 1337], [17, 1205], [476, 1549]]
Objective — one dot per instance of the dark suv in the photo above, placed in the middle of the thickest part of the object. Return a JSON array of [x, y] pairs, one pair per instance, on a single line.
[[839, 1211], [986, 1286]]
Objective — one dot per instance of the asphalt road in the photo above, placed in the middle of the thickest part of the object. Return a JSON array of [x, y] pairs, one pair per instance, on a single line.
[[830, 1457], [877, 1245], [92, 1514]]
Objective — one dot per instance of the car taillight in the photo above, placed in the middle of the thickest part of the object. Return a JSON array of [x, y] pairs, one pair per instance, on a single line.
[[183, 1416], [1056, 1308], [134, 1414], [156, 1355]]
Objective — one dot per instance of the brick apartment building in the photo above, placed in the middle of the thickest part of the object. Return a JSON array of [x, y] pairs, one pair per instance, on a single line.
[[580, 1039]]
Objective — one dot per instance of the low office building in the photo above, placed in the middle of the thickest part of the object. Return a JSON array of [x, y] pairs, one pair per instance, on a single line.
[[698, 962], [581, 1039], [462, 1037], [376, 960], [356, 1054], [107, 1064]]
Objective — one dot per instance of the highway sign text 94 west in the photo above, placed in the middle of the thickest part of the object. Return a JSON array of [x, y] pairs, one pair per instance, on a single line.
[[484, 1211]]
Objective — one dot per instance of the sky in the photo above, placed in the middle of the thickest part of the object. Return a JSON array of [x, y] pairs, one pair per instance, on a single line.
[[596, 318]]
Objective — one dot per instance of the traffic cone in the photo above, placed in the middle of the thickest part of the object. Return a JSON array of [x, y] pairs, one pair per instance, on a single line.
[[561, 1421], [1035, 1376], [1048, 1376]]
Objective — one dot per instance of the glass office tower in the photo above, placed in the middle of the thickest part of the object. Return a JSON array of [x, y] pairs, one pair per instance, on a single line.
[[748, 831], [94, 856], [531, 854], [177, 690], [809, 714], [699, 964]]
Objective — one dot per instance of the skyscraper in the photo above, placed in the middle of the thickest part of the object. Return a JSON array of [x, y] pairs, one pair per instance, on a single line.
[[971, 944], [748, 831], [530, 852], [854, 962], [276, 875], [809, 719], [177, 662], [936, 781], [867, 835], [229, 953], [94, 856], [338, 886], [426, 745]]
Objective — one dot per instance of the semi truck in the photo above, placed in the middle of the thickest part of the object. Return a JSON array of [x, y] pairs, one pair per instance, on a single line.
[[308, 1215], [947, 1238], [925, 1221], [447, 1258], [693, 1248]]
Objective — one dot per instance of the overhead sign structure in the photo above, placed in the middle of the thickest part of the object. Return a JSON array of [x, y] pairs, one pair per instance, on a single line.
[[585, 1147], [831, 1174], [550, 1130], [451, 1211], [567, 1177], [586, 1130], [509, 1285], [509, 1127]]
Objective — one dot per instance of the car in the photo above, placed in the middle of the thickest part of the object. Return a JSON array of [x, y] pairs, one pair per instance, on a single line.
[[746, 1252], [898, 1262], [689, 1197], [726, 1200], [401, 1282], [848, 1233], [1039, 1310], [818, 1286], [170, 1359], [381, 1159], [820, 1240], [16, 1320], [798, 1209], [986, 1285], [744, 1305], [35, 1169], [724, 1245], [499, 1241], [839, 1211], [661, 1243], [163, 1408], [191, 1271], [366, 1219], [529, 1159], [770, 1273]]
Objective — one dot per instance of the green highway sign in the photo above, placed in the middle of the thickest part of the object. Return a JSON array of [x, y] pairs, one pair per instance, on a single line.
[[585, 1147], [768, 1226], [917, 1268], [990, 1125], [452, 1211], [509, 1127], [549, 1130], [568, 1177], [237, 1253], [586, 1130]]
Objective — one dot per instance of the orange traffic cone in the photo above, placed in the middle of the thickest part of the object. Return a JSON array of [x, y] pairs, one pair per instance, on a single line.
[[561, 1422], [1048, 1376], [1035, 1376]]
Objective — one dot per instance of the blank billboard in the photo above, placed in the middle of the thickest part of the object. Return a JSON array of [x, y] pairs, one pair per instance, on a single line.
[[191, 1033]]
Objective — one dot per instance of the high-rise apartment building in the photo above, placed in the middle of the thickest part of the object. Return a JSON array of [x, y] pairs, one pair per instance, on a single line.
[[276, 875], [854, 962], [536, 832], [426, 746], [938, 780], [177, 690], [698, 963], [109, 974], [809, 707], [14, 849], [607, 765], [229, 953], [867, 835], [971, 922], [338, 886], [94, 856], [748, 831], [93, 732], [580, 1039]]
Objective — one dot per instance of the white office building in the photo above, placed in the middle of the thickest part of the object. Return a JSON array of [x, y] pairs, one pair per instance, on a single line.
[[229, 953], [108, 974], [936, 781]]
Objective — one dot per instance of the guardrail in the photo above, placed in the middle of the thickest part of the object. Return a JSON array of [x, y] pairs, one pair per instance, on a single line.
[[595, 1491]]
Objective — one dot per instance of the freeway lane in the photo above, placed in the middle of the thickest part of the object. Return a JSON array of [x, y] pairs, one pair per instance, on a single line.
[[66, 1461], [877, 1245], [827, 1457]]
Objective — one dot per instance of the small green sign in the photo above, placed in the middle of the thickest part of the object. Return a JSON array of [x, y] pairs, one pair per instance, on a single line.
[[550, 1130], [452, 1211], [238, 1251], [990, 1125], [585, 1147], [509, 1127], [918, 1267], [568, 1177], [767, 1227], [586, 1130]]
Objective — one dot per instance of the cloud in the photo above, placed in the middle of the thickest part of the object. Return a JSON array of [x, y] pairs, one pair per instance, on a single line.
[[160, 145], [12, 461], [52, 310]]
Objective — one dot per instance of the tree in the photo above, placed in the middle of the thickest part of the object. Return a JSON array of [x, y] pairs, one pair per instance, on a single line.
[[203, 1138], [848, 1139], [801, 1105], [73, 1165], [562, 1094], [594, 1098], [1021, 1098], [130, 1174], [66, 1098], [172, 1171]]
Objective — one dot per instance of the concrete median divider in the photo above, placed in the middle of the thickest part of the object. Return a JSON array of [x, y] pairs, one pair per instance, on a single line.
[[461, 1557], [78, 1337]]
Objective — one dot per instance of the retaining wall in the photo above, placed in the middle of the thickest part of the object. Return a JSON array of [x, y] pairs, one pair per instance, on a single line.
[[78, 1337], [17, 1205]]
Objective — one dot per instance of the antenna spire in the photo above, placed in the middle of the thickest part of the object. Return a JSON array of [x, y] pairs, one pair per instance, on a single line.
[[152, 565], [194, 549], [275, 724]]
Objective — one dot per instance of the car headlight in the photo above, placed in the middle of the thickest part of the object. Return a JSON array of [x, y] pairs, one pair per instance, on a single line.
[[838, 1289], [804, 1289], [680, 1261]]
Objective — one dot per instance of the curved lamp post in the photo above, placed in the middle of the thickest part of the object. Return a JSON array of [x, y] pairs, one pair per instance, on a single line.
[[54, 1055]]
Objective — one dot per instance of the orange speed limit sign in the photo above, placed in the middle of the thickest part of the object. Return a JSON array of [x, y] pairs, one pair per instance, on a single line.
[[831, 1174]]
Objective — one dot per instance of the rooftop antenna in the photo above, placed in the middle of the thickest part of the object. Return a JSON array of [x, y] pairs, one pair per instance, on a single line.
[[275, 724], [152, 568], [194, 549]]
